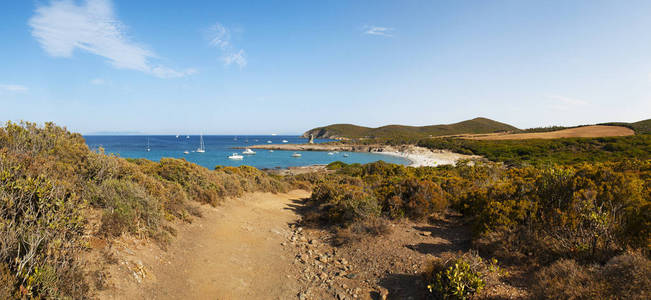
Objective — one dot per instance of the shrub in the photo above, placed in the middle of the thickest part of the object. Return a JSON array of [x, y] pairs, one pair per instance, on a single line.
[[345, 203], [625, 276], [564, 279], [461, 276], [40, 232]]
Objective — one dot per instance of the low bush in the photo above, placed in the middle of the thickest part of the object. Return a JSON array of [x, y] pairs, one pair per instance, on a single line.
[[626, 276], [461, 276]]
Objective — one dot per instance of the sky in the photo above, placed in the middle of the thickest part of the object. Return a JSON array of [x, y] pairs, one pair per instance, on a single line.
[[261, 67]]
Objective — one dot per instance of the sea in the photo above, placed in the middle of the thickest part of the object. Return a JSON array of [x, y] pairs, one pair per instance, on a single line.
[[219, 147]]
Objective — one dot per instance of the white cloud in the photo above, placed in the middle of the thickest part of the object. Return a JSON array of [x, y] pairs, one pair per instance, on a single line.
[[377, 30], [92, 26], [16, 88], [237, 58], [220, 37], [566, 103]]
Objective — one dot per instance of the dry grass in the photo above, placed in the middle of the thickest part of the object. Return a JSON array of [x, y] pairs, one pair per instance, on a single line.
[[627, 276], [585, 131]]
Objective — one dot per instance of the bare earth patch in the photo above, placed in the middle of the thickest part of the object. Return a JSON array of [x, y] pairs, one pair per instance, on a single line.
[[232, 252]]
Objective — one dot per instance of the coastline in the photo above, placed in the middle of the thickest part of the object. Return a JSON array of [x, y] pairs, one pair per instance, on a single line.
[[418, 156]]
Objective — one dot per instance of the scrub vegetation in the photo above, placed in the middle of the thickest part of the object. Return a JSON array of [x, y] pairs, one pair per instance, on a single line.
[[548, 152], [592, 215], [50, 182]]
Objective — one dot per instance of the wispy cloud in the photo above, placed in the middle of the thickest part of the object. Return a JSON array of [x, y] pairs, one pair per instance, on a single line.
[[378, 30], [566, 103], [63, 26], [15, 88], [220, 37]]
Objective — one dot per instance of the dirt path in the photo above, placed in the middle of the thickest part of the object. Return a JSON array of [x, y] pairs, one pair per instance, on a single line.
[[232, 252]]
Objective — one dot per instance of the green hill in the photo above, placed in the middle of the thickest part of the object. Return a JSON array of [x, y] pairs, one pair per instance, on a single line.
[[640, 127], [476, 125]]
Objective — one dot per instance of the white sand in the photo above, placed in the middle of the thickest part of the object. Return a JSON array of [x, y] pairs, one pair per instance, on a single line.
[[423, 157]]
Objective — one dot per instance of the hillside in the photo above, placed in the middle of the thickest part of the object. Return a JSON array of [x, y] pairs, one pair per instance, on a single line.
[[640, 127], [476, 125], [583, 131]]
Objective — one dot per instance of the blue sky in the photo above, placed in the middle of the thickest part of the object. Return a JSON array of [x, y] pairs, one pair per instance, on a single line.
[[258, 67]]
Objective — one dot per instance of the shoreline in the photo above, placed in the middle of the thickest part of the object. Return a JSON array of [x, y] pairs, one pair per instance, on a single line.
[[417, 156]]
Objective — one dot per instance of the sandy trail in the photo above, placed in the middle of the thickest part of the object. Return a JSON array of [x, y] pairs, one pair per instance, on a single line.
[[232, 252]]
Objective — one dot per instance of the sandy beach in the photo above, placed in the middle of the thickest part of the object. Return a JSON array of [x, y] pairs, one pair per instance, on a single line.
[[423, 157], [418, 156]]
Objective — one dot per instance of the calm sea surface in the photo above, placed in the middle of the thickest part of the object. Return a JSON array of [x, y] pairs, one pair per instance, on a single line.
[[219, 147]]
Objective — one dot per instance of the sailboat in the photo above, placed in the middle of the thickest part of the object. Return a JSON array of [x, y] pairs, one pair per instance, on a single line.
[[202, 147], [148, 148]]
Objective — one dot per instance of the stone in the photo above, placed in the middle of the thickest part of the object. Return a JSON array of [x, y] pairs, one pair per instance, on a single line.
[[384, 293], [302, 296]]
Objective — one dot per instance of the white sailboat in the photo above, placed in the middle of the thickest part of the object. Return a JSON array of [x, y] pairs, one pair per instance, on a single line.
[[248, 151], [202, 147], [148, 148]]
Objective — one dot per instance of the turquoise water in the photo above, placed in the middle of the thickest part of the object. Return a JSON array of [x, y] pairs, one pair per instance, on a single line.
[[219, 147]]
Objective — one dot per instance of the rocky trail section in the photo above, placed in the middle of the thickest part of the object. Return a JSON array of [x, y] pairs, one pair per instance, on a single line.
[[231, 252]]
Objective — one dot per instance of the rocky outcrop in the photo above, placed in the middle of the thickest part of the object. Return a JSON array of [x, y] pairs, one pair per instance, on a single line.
[[320, 133]]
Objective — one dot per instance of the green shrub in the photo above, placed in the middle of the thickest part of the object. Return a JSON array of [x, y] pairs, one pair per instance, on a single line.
[[128, 208], [344, 203], [461, 276]]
